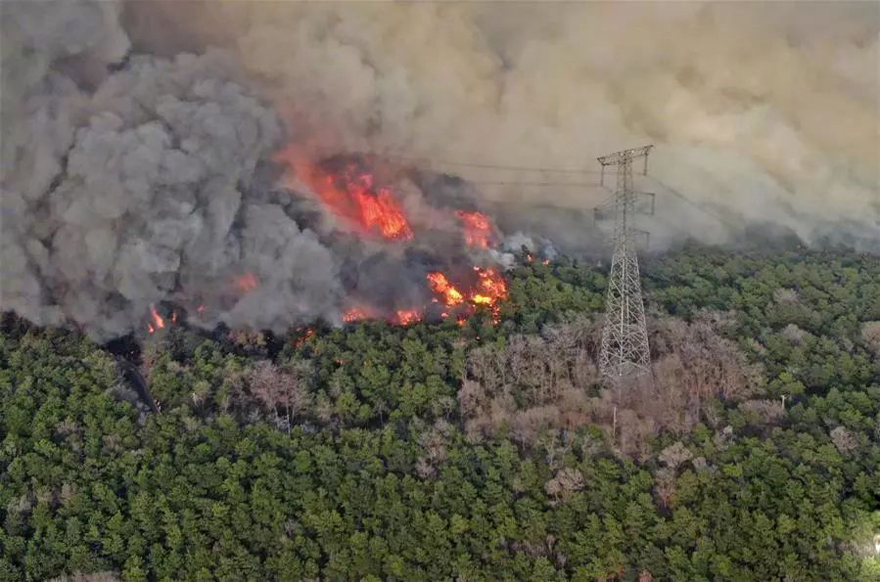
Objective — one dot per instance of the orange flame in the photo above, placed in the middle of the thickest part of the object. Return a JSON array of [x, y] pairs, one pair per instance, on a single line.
[[303, 338], [492, 286], [353, 196], [247, 282], [477, 228], [440, 284], [382, 211], [407, 316], [489, 289], [160, 322], [354, 314]]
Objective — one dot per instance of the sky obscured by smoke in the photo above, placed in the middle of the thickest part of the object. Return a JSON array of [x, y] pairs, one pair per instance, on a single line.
[[135, 134], [767, 111]]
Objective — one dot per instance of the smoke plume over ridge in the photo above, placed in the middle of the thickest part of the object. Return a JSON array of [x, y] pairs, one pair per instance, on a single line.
[[140, 139]]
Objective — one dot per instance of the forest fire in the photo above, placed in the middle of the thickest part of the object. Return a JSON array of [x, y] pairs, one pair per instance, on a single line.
[[398, 317], [478, 230], [440, 285], [247, 282], [352, 194], [486, 289], [492, 287], [489, 289], [302, 339], [407, 316], [356, 190], [158, 321], [381, 212], [354, 314]]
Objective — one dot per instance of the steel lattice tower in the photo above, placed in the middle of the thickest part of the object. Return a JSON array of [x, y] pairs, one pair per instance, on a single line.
[[624, 352]]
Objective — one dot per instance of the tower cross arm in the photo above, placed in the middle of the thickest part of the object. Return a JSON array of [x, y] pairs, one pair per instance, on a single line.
[[624, 155]]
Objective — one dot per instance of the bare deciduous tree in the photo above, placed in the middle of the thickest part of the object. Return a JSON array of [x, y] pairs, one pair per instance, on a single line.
[[844, 439], [768, 410], [871, 335], [675, 454], [276, 388], [551, 381], [564, 482]]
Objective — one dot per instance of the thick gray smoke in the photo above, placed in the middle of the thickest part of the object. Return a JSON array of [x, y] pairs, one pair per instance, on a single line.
[[118, 199], [138, 138]]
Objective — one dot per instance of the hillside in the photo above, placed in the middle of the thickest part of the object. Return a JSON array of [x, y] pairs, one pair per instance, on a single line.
[[472, 452]]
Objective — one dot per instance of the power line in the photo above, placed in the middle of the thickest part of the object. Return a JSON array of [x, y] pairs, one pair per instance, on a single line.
[[695, 204], [548, 184], [611, 159], [489, 166]]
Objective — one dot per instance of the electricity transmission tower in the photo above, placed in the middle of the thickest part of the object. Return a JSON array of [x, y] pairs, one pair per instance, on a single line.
[[624, 352]]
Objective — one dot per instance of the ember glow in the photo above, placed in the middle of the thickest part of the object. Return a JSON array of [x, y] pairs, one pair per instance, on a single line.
[[398, 317], [298, 342], [247, 282], [477, 228]]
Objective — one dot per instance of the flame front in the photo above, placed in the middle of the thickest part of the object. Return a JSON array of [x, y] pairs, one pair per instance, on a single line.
[[477, 228], [353, 188], [352, 195], [354, 314], [440, 285], [381, 212], [407, 316], [491, 288]]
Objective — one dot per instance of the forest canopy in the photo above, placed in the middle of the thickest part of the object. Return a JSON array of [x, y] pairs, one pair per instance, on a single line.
[[489, 450]]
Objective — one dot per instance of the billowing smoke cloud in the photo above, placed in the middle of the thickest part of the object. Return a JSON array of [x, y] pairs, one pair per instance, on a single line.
[[118, 199], [139, 138], [765, 112]]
